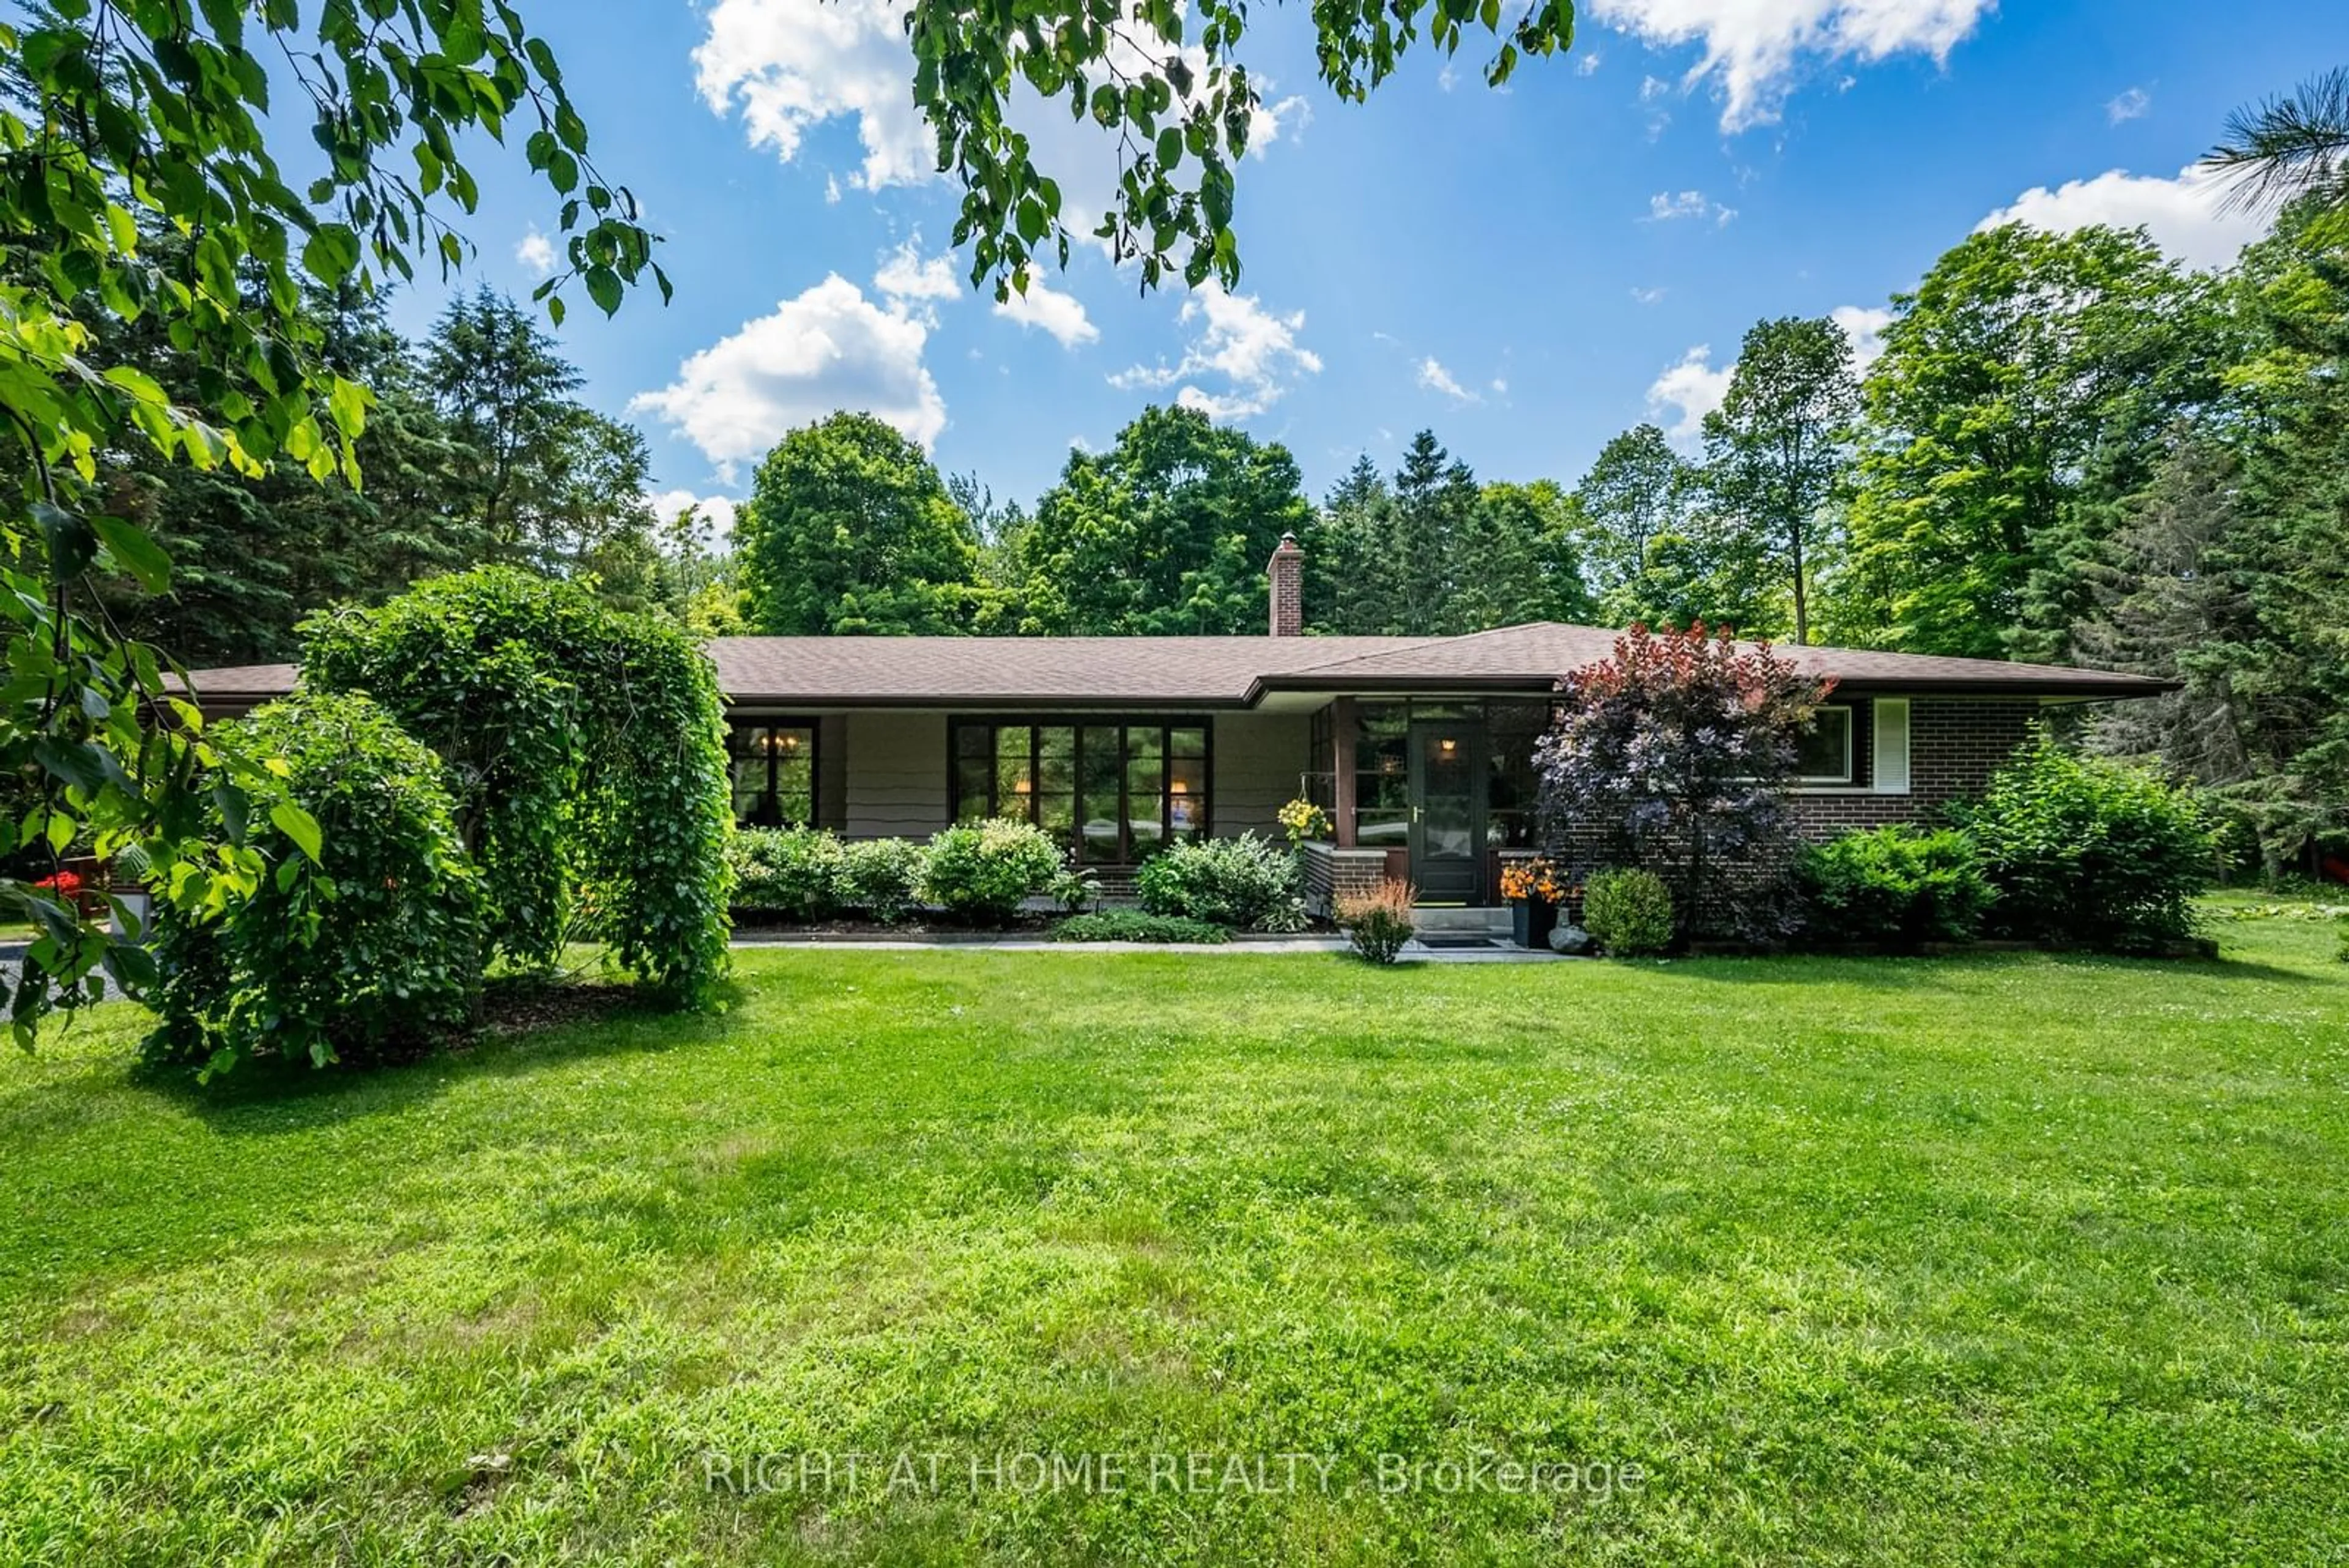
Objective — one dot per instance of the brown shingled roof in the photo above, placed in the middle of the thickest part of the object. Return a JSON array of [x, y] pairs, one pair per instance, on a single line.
[[1225, 671], [1540, 652]]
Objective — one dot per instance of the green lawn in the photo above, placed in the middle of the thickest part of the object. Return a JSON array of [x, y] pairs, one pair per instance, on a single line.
[[1996, 1260]]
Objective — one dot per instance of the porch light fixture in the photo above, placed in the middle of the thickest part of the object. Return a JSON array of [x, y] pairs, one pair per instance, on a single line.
[[1449, 745]]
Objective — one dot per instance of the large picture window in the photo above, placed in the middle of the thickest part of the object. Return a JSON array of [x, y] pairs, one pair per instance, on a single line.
[[774, 771], [1114, 791]]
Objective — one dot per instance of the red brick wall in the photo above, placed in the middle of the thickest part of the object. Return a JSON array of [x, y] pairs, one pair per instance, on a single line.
[[1331, 872]]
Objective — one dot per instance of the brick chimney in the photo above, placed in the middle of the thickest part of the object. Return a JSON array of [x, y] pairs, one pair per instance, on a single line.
[[1287, 570]]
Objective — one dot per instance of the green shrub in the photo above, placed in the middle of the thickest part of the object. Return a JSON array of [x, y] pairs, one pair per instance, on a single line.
[[984, 871], [796, 873], [586, 750], [371, 953], [2088, 852], [1898, 886], [1134, 925], [1246, 883], [1628, 913], [1379, 924], [882, 877], [1075, 890]]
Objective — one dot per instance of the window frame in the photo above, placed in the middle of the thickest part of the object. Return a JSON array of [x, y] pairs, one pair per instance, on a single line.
[[1077, 724], [738, 726], [1849, 777]]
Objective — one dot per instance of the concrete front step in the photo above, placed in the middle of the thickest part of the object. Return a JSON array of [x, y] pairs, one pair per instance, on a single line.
[[1450, 920]]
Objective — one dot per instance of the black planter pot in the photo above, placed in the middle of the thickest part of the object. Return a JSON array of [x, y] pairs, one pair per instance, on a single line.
[[1532, 920]]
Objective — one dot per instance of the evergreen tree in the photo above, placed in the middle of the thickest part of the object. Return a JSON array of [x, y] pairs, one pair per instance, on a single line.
[[255, 554], [541, 479], [1427, 538], [2229, 571], [1345, 588]]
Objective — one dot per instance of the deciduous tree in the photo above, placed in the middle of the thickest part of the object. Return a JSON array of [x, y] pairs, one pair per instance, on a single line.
[[114, 110], [849, 528], [1779, 447], [1166, 533], [2024, 362], [1638, 489]]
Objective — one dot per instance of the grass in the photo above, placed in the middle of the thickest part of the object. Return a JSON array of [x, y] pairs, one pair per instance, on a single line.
[[2002, 1259]]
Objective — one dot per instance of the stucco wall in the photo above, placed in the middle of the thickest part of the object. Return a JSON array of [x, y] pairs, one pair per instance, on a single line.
[[895, 767]]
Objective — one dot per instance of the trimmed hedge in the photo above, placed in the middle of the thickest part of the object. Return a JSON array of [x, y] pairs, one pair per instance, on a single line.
[[882, 877], [1628, 913], [984, 871], [1895, 886], [793, 872], [1247, 883], [1134, 925]]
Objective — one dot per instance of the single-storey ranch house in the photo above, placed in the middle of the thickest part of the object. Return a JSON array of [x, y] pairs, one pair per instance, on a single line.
[[1421, 748]]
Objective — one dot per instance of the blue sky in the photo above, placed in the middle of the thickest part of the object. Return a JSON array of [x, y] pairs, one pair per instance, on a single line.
[[1526, 271]]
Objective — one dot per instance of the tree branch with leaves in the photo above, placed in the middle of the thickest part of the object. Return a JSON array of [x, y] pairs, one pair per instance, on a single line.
[[115, 115]]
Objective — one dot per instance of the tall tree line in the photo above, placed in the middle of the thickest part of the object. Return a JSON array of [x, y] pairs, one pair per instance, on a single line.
[[476, 448]]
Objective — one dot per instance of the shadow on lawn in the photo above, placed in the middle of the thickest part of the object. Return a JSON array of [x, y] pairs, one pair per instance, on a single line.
[[525, 1029], [1889, 972]]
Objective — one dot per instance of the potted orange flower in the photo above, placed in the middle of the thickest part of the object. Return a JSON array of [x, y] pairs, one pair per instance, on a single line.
[[1534, 890]]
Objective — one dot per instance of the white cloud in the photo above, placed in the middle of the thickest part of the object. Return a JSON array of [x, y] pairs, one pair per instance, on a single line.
[[1500, 387], [1864, 324], [2134, 104], [536, 251], [1252, 350], [1048, 310], [1666, 205], [786, 67], [1436, 378], [831, 190], [789, 65], [1648, 295], [1587, 63], [2186, 217], [1754, 50], [1694, 388], [906, 275], [718, 511], [830, 348]]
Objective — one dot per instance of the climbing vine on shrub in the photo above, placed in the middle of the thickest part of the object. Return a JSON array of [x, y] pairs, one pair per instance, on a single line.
[[371, 953], [586, 753]]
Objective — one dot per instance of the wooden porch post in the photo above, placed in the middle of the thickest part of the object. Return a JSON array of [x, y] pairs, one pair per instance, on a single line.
[[1342, 766]]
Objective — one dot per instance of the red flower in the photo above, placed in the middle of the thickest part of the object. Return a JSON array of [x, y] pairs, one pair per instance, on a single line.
[[65, 884]]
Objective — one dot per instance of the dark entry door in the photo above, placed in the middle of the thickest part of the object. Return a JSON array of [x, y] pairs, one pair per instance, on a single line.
[[1447, 811]]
